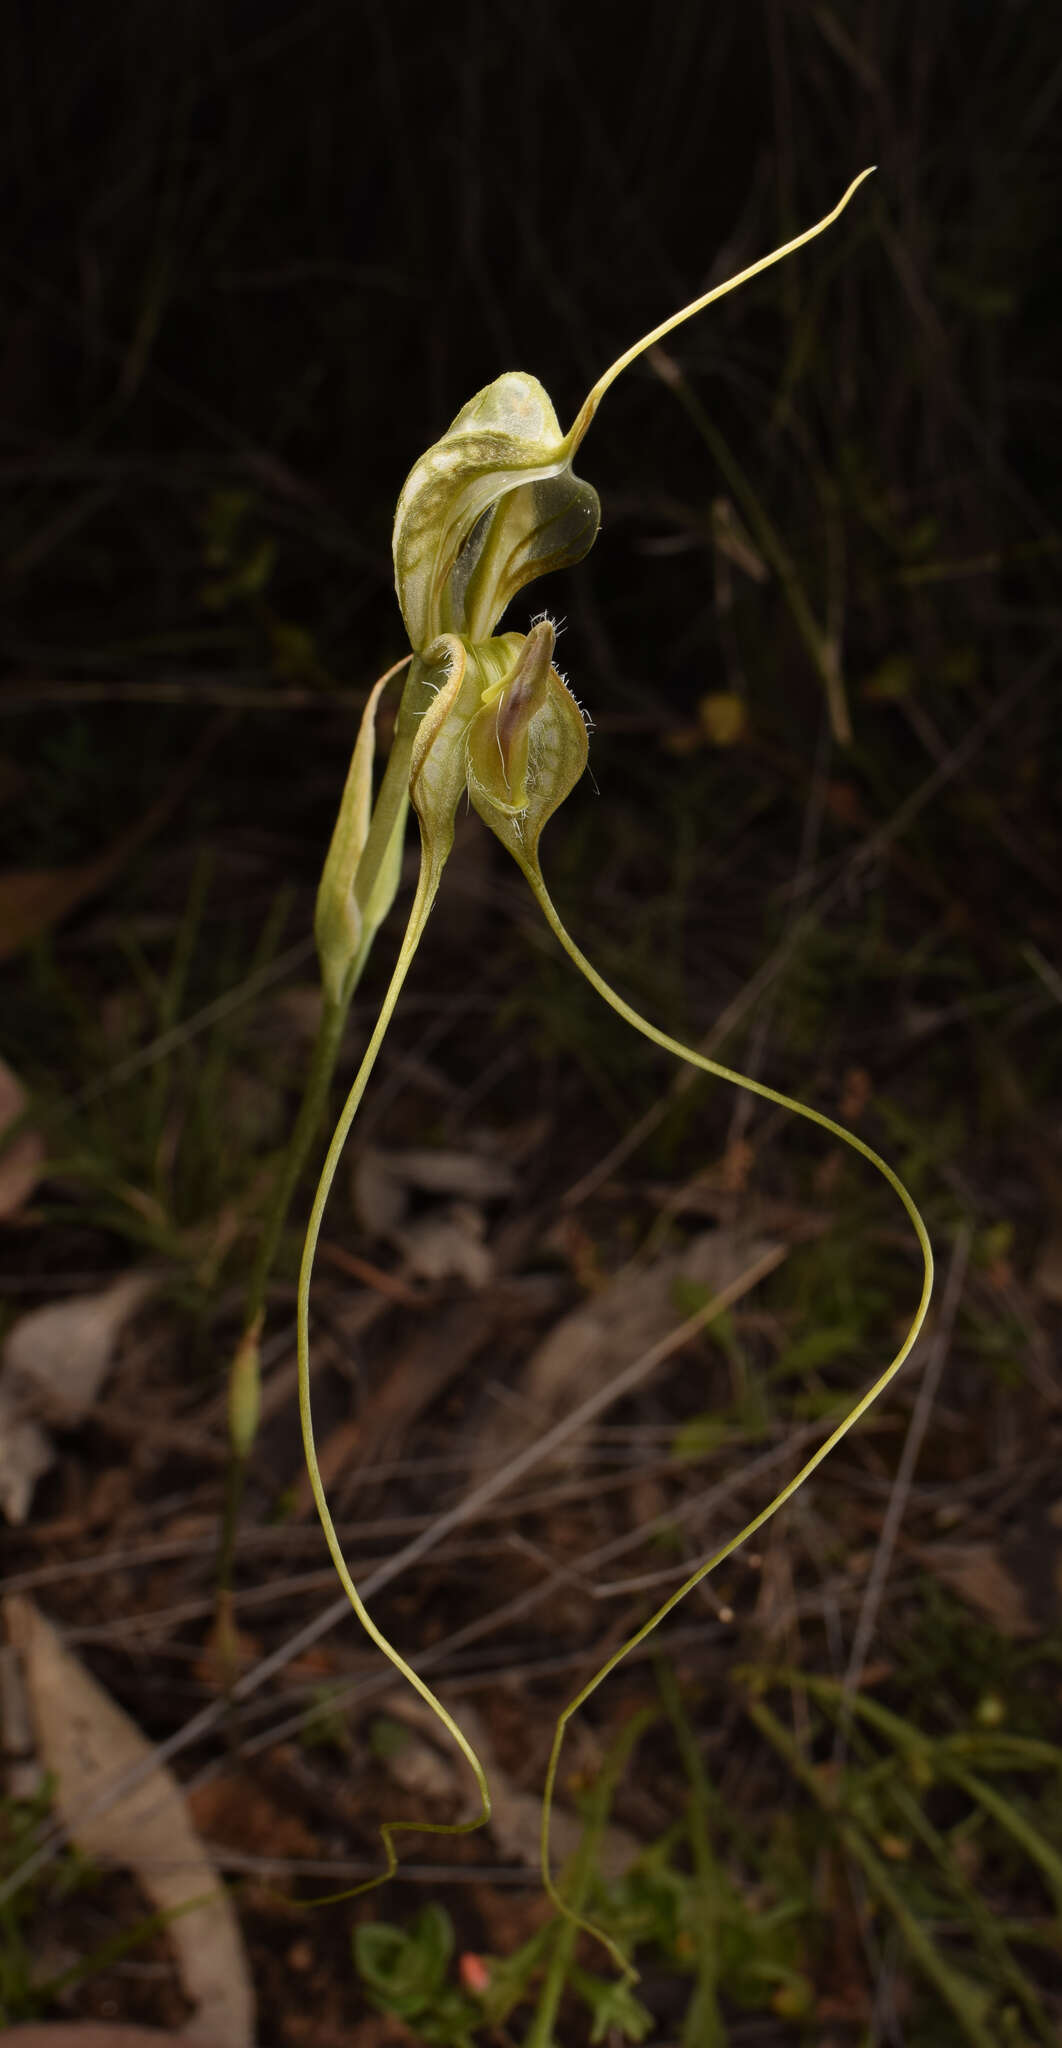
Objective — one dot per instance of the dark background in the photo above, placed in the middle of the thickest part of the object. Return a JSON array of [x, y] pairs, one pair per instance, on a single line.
[[254, 260]]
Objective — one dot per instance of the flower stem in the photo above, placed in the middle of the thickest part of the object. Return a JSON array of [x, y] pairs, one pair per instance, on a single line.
[[432, 862], [380, 854]]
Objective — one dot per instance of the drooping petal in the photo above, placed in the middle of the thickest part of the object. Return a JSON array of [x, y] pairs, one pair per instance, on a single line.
[[339, 920]]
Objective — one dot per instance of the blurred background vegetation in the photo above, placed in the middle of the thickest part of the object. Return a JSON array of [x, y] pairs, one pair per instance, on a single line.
[[255, 259]]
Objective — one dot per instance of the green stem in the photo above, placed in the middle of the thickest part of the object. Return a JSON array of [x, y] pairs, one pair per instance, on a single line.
[[379, 856], [890, 1775], [960, 1994], [432, 861], [387, 824], [560, 1962], [563, 1950], [703, 2026], [388, 819], [224, 1619], [311, 1110]]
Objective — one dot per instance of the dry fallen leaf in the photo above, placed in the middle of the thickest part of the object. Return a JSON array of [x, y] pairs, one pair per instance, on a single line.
[[384, 1181], [89, 1745], [449, 1242], [380, 1197], [57, 1357], [437, 1171], [21, 1161], [22, 1777], [33, 899], [977, 1573], [1047, 1278], [634, 1311], [98, 2034], [447, 1245], [25, 1452], [236, 1812]]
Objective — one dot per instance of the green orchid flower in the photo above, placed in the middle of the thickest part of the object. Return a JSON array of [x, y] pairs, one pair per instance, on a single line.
[[486, 510], [485, 715], [489, 508]]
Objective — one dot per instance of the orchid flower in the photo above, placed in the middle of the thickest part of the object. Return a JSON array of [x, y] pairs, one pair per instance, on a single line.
[[485, 715]]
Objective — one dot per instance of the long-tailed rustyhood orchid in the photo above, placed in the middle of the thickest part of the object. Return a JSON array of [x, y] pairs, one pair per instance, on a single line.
[[490, 507]]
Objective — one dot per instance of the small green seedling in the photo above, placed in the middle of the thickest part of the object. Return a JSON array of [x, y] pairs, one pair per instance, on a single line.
[[494, 504]]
